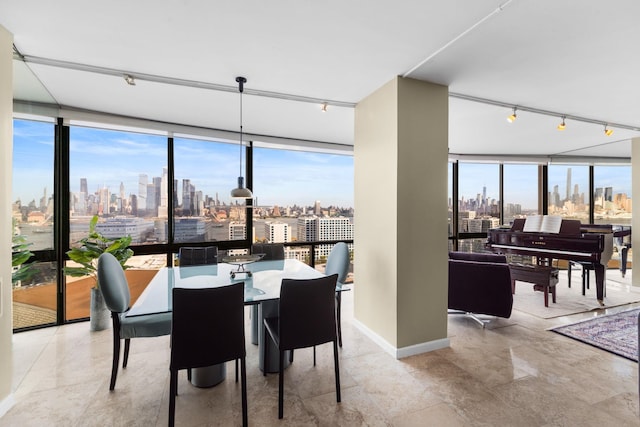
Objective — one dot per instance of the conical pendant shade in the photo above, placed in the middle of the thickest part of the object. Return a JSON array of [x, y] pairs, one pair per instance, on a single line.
[[241, 192]]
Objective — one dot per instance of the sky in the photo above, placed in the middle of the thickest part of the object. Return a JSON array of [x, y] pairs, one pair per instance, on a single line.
[[283, 178], [520, 181], [107, 158]]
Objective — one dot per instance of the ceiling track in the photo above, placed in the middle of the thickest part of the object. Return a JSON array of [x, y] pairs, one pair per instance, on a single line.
[[289, 97], [544, 112], [174, 81]]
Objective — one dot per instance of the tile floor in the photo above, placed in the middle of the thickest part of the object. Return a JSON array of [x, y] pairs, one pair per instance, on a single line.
[[513, 373]]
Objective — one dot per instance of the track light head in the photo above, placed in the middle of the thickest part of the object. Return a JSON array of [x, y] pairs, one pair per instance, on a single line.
[[608, 131], [562, 125], [512, 118], [324, 106], [131, 81]]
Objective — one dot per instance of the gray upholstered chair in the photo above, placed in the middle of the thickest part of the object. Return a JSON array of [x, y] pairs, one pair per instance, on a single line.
[[338, 263], [306, 318], [115, 291], [271, 251]]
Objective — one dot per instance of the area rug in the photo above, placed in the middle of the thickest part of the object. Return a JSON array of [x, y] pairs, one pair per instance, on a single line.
[[570, 300], [615, 333]]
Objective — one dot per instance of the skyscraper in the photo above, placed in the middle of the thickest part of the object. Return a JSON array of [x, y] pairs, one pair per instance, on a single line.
[[142, 192], [568, 184]]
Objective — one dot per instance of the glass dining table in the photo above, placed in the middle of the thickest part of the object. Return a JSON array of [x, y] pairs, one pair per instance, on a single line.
[[262, 280]]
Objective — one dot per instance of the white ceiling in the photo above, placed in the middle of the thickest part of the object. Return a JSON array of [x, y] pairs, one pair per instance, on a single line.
[[574, 58]]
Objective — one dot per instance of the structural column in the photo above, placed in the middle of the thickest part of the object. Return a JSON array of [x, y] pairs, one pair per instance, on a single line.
[[400, 163], [6, 155]]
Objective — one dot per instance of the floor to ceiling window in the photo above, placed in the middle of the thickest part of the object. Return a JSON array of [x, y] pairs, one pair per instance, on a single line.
[[34, 281], [122, 178], [520, 189], [612, 195], [569, 191], [478, 203], [303, 196], [612, 205], [205, 173]]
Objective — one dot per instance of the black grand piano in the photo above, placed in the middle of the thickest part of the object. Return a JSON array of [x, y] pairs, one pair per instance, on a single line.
[[588, 244]]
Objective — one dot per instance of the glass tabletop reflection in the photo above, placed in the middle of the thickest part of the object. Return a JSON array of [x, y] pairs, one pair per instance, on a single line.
[[263, 284]]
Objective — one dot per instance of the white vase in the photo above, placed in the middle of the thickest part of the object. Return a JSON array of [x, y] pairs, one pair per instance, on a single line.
[[99, 314]]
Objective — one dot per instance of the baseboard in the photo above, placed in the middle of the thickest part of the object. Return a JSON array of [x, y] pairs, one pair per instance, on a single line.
[[6, 404], [399, 353]]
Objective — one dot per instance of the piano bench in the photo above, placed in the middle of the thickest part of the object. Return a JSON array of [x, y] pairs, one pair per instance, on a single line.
[[544, 278]]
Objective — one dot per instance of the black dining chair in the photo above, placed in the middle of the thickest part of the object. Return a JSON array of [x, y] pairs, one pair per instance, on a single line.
[[115, 290], [198, 255], [272, 252], [306, 318], [207, 329]]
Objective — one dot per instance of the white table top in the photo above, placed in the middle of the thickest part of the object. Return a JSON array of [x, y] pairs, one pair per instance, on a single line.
[[263, 284]]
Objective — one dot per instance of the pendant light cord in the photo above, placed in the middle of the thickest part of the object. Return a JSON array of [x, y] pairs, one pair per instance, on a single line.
[[241, 81], [240, 130]]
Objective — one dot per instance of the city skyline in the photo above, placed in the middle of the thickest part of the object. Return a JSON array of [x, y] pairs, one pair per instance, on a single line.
[[107, 158], [125, 155], [474, 176]]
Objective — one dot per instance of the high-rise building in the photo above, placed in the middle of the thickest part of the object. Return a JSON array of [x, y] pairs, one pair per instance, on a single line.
[[568, 184], [142, 193], [313, 228], [277, 232], [164, 194], [83, 186], [152, 208], [316, 208], [123, 199], [187, 197]]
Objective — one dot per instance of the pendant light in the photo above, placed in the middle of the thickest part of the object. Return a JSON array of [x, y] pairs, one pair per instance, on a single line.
[[562, 125], [241, 192]]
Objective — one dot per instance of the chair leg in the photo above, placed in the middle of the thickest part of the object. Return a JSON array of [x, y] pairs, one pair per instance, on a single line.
[[173, 390], [243, 366], [290, 356], [281, 386], [338, 315], [116, 358], [125, 359], [314, 355], [189, 374], [236, 370], [337, 368], [265, 353]]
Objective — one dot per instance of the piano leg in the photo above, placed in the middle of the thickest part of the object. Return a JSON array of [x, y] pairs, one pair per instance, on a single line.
[[600, 273]]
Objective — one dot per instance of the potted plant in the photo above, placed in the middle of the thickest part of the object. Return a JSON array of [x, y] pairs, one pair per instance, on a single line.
[[86, 254]]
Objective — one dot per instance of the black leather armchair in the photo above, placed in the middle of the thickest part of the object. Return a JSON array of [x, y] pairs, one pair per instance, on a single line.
[[480, 283]]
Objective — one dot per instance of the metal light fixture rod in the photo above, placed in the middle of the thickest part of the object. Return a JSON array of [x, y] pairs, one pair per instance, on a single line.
[[241, 192]]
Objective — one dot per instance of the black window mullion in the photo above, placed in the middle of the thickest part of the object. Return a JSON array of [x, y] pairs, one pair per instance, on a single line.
[[61, 212]]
